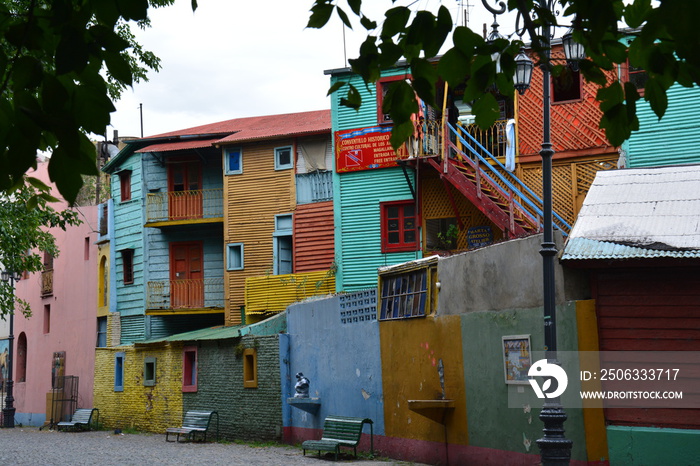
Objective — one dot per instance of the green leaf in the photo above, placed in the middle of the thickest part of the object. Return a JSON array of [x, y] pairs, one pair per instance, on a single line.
[[656, 95], [400, 101], [335, 87], [72, 51], [353, 99], [27, 73], [118, 67], [424, 78], [355, 6], [454, 66], [615, 50], [395, 21], [637, 12], [133, 9], [344, 17], [466, 40], [320, 14], [368, 24], [38, 184], [400, 133], [194, 5], [486, 110]]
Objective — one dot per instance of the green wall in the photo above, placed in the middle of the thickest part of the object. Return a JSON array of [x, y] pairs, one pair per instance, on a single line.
[[491, 423], [632, 446]]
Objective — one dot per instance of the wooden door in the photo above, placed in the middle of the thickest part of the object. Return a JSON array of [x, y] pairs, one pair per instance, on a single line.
[[186, 275], [184, 191]]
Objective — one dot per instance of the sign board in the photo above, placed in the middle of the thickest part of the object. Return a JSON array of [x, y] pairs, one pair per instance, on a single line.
[[365, 149], [479, 236]]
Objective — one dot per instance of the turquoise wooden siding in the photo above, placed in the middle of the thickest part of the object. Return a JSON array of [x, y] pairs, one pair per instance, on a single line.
[[358, 227], [343, 118], [675, 139], [128, 234]]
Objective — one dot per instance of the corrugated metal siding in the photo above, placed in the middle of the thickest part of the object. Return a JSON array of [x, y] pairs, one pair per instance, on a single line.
[[672, 141], [273, 293], [650, 309], [358, 222], [164, 326], [313, 237], [133, 329], [252, 199], [346, 118]]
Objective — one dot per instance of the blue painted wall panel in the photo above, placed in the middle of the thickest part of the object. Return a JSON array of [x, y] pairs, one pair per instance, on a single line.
[[347, 386], [675, 139]]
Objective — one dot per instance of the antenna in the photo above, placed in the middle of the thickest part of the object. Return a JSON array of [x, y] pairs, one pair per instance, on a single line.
[[141, 113]]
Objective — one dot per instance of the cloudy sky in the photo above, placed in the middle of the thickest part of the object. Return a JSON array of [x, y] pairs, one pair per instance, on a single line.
[[237, 58]]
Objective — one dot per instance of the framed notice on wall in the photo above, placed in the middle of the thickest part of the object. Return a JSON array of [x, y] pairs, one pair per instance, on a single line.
[[366, 149], [516, 358]]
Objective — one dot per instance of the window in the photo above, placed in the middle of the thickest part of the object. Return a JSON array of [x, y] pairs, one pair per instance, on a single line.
[[125, 185], [87, 249], [638, 77], [441, 233], [408, 293], [383, 85], [399, 226], [234, 256], [47, 318], [250, 368], [21, 373], [233, 161], [567, 86], [189, 369], [128, 266], [149, 371], [103, 283], [283, 252], [119, 372], [103, 220], [101, 332], [283, 158]]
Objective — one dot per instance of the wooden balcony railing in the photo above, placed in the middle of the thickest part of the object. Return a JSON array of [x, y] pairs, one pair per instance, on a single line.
[[200, 294], [176, 206]]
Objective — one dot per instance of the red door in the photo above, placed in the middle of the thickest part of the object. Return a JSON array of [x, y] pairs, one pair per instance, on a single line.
[[184, 191], [186, 275]]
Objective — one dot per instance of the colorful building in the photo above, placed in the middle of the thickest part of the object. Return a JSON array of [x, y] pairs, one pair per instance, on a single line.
[[53, 368]]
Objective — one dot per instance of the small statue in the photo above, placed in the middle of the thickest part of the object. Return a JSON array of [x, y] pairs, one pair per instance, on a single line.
[[302, 386]]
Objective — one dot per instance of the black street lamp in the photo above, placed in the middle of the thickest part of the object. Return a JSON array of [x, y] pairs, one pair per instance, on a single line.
[[8, 412], [555, 448]]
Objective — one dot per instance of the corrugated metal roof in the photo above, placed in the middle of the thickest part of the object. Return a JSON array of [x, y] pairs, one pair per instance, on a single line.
[[179, 145], [211, 333], [639, 213], [271, 126]]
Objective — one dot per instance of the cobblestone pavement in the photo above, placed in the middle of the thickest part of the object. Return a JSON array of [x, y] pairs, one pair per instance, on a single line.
[[31, 446]]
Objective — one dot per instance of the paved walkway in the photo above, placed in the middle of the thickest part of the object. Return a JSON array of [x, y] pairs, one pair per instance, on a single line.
[[30, 446]]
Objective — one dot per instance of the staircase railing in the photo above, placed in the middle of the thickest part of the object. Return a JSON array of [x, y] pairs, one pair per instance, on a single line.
[[529, 202]]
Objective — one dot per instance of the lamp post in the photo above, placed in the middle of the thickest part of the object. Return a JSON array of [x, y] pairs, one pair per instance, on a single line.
[[555, 448], [8, 412]]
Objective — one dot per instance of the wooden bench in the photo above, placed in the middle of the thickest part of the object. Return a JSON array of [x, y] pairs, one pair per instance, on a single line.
[[340, 431], [194, 422], [82, 419]]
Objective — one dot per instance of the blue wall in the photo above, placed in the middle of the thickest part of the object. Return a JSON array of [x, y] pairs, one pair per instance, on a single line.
[[350, 385]]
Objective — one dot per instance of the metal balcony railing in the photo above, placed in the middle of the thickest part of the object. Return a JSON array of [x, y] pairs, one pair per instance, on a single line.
[[207, 293], [185, 205]]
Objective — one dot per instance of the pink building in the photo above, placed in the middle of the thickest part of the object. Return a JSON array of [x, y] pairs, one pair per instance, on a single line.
[[54, 352]]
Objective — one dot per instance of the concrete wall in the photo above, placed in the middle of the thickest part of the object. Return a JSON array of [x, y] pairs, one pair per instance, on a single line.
[[503, 276], [334, 342], [71, 312]]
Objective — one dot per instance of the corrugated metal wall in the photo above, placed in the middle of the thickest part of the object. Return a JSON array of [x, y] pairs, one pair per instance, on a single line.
[[357, 217], [672, 141], [251, 201], [163, 326], [313, 237]]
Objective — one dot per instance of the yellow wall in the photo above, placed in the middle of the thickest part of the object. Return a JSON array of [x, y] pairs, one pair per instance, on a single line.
[[150, 409], [252, 199], [411, 349], [102, 307]]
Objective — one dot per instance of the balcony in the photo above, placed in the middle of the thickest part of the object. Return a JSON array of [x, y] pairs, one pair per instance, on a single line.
[[185, 207], [271, 294], [203, 296]]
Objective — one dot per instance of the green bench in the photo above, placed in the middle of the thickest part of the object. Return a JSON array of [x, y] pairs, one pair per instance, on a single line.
[[340, 431], [194, 423], [82, 419]]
